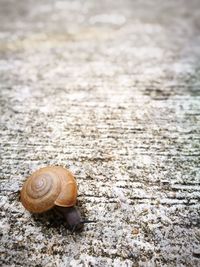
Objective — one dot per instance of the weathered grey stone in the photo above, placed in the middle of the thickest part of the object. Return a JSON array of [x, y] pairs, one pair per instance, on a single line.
[[111, 90]]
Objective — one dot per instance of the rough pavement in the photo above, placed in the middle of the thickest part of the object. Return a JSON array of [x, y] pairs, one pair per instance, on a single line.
[[111, 90]]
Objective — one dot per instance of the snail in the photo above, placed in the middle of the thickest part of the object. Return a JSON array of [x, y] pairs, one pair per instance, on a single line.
[[53, 187]]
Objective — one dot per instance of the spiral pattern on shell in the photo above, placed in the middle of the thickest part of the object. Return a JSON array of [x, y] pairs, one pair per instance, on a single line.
[[48, 187]]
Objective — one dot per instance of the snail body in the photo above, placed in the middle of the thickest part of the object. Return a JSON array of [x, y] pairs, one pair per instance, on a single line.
[[52, 187]]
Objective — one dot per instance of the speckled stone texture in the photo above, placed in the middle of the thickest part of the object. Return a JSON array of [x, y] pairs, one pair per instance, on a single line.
[[111, 90]]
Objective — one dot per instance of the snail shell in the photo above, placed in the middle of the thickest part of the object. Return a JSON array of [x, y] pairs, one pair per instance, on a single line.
[[48, 187]]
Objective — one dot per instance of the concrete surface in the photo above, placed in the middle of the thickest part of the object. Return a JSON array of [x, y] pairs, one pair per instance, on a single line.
[[111, 90]]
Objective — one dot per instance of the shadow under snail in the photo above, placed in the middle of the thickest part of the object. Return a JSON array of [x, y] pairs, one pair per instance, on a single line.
[[53, 187]]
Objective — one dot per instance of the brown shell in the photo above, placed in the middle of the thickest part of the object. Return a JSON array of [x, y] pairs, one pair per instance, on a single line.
[[47, 187]]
